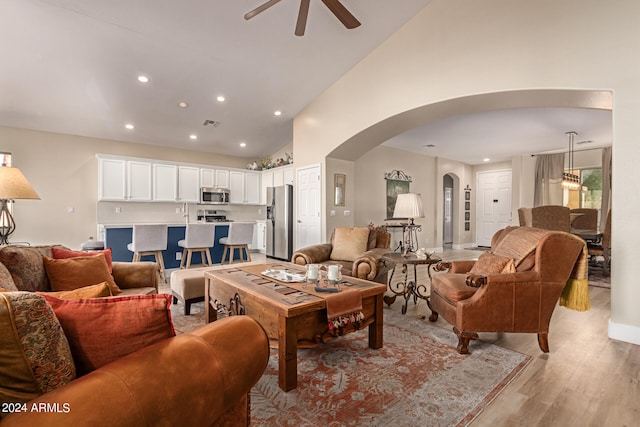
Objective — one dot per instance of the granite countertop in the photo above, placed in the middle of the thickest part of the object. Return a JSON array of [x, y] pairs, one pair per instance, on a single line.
[[177, 224]]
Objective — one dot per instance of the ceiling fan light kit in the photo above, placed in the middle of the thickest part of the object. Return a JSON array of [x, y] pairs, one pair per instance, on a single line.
[[335, 6]]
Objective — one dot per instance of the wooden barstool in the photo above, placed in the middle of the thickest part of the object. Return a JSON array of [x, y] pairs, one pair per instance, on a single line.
[[197, 238], [149, 240], [240, 236]]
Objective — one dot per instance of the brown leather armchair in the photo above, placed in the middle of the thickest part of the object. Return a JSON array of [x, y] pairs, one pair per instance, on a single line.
[[517, 294], [367, 264]]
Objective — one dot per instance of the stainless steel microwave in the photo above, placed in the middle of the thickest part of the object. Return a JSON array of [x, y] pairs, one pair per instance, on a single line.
[[214, 196]]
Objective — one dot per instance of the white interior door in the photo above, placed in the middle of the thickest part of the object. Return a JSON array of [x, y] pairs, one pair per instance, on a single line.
[[494, 204], [308, 204]]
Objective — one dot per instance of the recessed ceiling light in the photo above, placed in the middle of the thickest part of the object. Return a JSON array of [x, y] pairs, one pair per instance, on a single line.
[[143, 79], [220, 98], [193, 136], [183, 104], [277, 113], [486, 159], [243, 144], [129, 126]]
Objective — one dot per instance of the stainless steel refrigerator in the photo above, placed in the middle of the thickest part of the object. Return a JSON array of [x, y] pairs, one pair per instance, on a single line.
[[280, 222]]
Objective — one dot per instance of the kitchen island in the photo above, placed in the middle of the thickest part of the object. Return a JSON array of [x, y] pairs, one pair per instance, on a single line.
[[118, 236]]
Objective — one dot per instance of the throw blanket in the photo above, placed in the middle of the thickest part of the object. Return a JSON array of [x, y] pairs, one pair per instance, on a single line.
[[575, 295], [343, 308], [519, 243]]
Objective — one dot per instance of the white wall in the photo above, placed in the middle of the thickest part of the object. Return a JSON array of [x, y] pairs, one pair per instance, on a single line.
[[455, 49]]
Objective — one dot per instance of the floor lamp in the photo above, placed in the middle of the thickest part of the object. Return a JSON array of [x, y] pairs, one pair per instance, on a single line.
[[409, 205], [13, 185]]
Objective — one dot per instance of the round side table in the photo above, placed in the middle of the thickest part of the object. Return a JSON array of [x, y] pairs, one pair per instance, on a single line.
[[407, 288]]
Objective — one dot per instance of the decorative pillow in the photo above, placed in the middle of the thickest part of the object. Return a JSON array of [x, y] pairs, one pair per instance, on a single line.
[[102, 330], [73, 273], [93, 291], [6, 281], [489, 263], [26, 266], [349, 243], [60, 253], [35, 357]]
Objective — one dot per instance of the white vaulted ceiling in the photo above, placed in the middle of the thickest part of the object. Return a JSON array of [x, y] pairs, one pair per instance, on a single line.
[[71, 66]]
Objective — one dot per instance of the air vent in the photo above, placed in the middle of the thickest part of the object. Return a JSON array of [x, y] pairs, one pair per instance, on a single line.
[[211, 123], [588, 141]]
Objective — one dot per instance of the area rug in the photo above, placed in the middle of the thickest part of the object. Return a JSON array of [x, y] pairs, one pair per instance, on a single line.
[[417, 378]]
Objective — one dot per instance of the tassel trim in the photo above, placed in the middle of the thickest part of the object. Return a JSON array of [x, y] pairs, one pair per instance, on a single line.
[[575, 295], [342, 321]]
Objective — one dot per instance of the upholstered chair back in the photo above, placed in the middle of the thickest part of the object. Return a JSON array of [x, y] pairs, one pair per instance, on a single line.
[[149, 238]]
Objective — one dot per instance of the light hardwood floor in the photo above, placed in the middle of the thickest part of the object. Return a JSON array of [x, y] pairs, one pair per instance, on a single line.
[[587, 379]]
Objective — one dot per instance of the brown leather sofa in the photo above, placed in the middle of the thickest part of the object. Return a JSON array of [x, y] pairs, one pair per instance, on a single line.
[[517, 295], [202, 378], [367, 264]]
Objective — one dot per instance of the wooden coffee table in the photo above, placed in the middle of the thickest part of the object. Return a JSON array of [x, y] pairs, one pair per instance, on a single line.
[[294, 315]]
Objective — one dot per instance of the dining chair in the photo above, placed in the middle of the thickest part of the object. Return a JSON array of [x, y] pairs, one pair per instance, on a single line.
[[149, 240], [197, 238], [603, 249]]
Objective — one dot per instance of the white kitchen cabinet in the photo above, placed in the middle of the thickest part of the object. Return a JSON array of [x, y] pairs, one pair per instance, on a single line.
[[138, 181], [260, 236], [210, 177], [236, 187], [287, 172], [165, 182], [188, 184], [278, 177], [223, 178], [252, 188], [112, 179], [121, 180], [207, 177], [267, 181]]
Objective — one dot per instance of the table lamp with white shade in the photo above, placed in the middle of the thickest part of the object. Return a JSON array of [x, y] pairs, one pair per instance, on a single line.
[[13, 185], [409, 206]]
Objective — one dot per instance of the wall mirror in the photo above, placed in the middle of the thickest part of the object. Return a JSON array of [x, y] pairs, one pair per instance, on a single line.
[[339, 180]]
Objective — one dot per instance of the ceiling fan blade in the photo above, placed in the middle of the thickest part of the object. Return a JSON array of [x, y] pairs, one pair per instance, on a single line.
[[302, 17], [341, 12], [260, 9]]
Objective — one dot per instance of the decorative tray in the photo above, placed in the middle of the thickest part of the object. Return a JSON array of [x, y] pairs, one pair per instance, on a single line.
[[284, 276]]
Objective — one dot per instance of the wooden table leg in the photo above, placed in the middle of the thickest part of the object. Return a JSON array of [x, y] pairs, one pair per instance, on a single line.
[[287, 354], [210, 313], [375, 329]]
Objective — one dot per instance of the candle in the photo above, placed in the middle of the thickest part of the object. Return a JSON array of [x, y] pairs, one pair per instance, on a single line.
[[332, 273], [312, 271]]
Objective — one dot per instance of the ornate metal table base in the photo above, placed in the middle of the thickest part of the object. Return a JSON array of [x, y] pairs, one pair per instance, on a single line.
[[408, 288]]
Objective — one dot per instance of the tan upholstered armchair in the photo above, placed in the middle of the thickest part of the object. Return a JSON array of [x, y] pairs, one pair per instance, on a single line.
[[358, 249], [513, 288]]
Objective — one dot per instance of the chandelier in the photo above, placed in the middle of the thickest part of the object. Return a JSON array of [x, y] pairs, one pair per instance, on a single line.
[[570, 180]]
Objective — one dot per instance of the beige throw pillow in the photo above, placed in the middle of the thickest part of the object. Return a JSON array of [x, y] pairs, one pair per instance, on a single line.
[[489, 263], [349, 243]]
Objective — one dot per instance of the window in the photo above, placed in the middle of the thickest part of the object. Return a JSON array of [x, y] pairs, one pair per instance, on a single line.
[[590, 194]]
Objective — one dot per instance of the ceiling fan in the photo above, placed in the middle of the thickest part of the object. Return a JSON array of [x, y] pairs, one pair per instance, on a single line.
[[337, 8]]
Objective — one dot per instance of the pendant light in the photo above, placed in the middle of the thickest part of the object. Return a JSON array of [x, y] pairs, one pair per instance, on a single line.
[[570, 180]]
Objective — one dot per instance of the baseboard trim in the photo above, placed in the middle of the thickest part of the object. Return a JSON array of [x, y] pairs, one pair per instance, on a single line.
[[622, 332]]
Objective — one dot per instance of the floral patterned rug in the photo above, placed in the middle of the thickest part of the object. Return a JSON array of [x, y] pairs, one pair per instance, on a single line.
[[417, 378]]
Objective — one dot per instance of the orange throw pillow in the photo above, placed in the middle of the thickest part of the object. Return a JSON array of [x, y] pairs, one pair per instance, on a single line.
[[60, 253], [92, 291], [102, 330], [73, 273]]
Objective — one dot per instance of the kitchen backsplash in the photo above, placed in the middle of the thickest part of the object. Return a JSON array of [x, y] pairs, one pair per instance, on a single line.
[[170, 213]]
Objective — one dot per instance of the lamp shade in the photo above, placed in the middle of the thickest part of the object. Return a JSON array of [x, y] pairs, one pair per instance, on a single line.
[[13, 185], [408, 205]]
